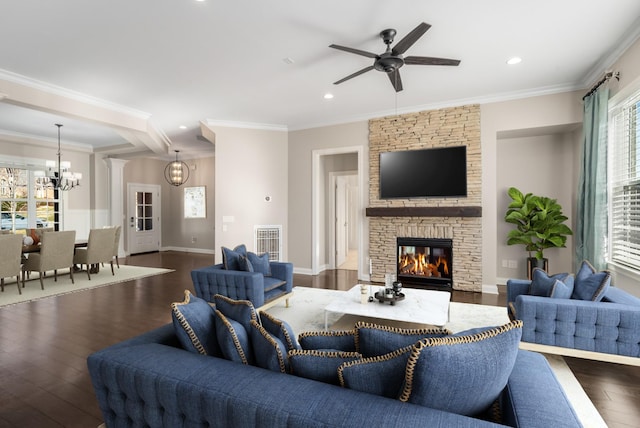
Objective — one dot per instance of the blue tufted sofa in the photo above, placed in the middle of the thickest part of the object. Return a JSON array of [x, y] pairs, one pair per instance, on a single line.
[[149, 381], [241, 285], [611, 326]]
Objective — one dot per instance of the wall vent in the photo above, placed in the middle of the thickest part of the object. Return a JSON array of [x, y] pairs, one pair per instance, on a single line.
[[268, 239]]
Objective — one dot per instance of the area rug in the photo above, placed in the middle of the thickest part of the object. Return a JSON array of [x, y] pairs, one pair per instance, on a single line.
[[32, 290], [306, 313]]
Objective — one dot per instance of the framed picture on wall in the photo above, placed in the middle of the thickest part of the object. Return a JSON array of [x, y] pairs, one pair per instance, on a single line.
[[195, 202]]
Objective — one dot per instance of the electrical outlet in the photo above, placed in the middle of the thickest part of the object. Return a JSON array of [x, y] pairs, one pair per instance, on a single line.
[[193, 239], [505, 263], [513, 264]]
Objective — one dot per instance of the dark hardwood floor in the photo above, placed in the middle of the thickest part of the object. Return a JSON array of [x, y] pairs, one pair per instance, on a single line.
[[44, 345]]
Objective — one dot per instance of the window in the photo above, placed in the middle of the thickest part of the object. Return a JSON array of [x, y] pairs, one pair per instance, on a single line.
[[25, 203], [624, 182]]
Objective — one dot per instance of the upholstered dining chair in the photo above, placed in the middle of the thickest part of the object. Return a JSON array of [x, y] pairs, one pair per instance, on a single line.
[[99, 249], [56, 252], [116, 243], [10, 258]]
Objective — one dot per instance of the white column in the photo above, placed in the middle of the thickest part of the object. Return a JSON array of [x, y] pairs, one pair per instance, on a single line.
[[115, 197]]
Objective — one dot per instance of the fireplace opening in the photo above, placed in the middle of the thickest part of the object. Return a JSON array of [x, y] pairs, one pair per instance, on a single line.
[[425, 262]]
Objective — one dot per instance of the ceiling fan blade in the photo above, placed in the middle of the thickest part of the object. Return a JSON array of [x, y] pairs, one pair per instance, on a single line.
[[395, 79], [355, 51], [408, 40], [357, 73], [427, 60]]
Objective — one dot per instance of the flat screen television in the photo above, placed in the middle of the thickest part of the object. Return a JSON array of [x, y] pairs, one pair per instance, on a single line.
[[435, 172]]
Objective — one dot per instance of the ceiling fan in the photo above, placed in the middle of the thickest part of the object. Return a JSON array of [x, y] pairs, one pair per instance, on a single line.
[[392, 59]]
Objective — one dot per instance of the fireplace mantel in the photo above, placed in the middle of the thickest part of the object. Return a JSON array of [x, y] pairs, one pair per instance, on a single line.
[[470, 211]]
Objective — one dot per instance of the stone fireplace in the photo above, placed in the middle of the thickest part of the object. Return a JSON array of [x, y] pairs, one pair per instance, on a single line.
[[455, 219]]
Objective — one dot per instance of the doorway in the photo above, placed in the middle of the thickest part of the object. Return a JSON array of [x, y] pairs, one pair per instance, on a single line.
[[143, 212], [343, 243], [323, 214]]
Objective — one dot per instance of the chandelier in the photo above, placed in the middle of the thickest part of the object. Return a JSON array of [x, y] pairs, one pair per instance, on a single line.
[[176, 172], [58, 175]]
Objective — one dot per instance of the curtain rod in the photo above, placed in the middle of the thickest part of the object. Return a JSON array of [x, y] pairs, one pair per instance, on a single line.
[[606, 77]]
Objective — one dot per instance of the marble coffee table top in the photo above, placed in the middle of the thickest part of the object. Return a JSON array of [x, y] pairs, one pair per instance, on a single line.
[[419, 306]]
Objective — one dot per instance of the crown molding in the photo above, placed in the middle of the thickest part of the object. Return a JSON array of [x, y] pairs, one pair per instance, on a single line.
[[606, 62], [49, 143], [494, 98], [68, 93], [246, 125]]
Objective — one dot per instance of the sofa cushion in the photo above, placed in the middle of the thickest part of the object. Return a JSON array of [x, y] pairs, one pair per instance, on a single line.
[[589, 284], [560, 289], [259, 263], [231, 258], [233, 339], [373, 340], [280, 329], [382, 375], [268, 350], [241, 311], [319, 365], [462, 374], [194, 324], [542, 283], [333, 340]]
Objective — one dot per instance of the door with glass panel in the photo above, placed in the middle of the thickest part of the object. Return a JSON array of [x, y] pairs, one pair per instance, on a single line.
[[143, 218]]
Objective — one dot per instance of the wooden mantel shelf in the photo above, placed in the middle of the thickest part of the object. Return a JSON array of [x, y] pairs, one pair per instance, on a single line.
[[424, 212]]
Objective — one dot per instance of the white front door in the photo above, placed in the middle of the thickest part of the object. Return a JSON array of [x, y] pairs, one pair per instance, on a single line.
[[143, 218]]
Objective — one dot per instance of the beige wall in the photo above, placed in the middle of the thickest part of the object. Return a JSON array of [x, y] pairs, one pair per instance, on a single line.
[[543, 165], [302, 144], [250, 165]]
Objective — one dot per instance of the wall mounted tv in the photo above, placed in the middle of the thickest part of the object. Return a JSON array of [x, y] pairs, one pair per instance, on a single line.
[[436, 172]]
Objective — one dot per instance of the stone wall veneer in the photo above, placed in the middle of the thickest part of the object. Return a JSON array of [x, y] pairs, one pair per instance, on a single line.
[[454, 126]]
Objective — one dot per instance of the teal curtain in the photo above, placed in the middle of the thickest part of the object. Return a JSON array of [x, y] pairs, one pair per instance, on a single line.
[[591, 216]]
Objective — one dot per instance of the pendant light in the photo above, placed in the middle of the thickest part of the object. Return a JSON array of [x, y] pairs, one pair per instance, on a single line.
[[176, 172]]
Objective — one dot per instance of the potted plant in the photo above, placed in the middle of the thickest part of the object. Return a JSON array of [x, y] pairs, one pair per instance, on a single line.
[[539, 225]]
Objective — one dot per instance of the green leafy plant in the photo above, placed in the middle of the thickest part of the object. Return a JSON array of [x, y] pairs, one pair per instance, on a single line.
[[539, 223]]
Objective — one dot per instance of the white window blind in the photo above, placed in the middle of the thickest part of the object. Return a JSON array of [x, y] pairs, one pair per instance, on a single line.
[[624, 182]]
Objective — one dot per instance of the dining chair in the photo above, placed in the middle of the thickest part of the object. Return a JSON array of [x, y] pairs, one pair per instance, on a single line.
[[10, 258], [56, 252], [116, 243], [99, 249]]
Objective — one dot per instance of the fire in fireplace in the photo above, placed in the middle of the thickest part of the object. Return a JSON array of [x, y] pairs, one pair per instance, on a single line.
[[425, 262]]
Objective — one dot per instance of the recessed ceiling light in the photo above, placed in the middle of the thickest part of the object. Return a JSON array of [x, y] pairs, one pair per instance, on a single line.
[[328, 96], [514, 60], [288, 60], [184, 126]]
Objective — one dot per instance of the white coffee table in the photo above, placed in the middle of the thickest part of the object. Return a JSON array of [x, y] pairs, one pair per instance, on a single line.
[[419, 306]]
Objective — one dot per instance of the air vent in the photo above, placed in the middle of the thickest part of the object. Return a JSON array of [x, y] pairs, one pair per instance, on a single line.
[[268, 239]]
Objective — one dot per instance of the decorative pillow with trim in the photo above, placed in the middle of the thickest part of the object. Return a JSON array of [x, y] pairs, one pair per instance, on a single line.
[[382, 375], [241, 311], [462, 374], [269, 351], [591, 285], [231, 258], [319, 365], [335, 340], [373, 340], [542, 284], [194, 324], [259, 263], [280, 329], [560, 290], [233, 339]]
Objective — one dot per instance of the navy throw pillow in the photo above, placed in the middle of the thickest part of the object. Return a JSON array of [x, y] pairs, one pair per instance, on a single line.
[[589, 284], [241, 311], [280, 329], [259, 263], [269, 351], [194, 324], [373, 340], [233, 340], [334, 340], [319, 365], [462, 374], [542, 283], [231, 258]]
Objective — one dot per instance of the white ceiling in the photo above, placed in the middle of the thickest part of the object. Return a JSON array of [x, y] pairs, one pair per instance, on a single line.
[[184, 61]]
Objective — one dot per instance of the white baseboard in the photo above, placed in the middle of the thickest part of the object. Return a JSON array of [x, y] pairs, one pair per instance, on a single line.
[[302, 271], [188, 250], [490, 288]]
